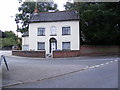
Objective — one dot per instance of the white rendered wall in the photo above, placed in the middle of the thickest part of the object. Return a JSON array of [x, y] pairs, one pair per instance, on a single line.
[[25, 41], [73, 38]]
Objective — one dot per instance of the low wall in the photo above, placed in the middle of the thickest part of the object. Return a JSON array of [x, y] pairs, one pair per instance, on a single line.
[[63, 54], [98, 50], [40, 54], [88, 51], [84, 51]]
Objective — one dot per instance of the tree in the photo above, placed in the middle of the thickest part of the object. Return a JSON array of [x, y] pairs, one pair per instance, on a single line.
[[10, 40], [69, 6], [27, 8], [99, 22]]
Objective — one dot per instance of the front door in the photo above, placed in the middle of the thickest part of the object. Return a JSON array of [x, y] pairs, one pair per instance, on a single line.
[[53, 45]]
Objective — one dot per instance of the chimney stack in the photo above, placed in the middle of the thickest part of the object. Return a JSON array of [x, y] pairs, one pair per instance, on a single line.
[[36, 11]]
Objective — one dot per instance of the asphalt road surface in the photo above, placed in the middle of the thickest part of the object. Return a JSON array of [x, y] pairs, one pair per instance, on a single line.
[[80, 72]]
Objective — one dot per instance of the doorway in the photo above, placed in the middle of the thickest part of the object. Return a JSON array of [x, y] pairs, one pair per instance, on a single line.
[[53, 44]]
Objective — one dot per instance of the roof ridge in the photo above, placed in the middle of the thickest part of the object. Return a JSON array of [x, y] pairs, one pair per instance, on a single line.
[[58, 11]]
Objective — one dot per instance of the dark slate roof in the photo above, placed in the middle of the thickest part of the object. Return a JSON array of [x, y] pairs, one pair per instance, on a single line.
[[25, 34], [54, 16]]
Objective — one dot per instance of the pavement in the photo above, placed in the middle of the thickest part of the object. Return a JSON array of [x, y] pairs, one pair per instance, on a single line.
[[6, 52], [0, 76]]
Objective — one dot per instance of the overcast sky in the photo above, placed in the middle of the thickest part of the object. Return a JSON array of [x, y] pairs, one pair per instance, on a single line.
[[8, 9]]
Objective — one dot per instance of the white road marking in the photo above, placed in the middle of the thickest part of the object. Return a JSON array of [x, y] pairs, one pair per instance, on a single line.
[[107, 63], [101, 64], [111, 61], [115, 60], [97, 65]]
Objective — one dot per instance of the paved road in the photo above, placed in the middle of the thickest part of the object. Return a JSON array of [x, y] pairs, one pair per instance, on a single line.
[[26, 70], [101, 77]]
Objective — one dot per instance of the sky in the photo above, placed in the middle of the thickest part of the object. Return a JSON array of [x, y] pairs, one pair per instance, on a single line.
[[8, 9]]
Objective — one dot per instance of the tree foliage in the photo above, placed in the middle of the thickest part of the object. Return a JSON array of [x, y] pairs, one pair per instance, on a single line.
[[27, 8], [10, 40], [100, 22]]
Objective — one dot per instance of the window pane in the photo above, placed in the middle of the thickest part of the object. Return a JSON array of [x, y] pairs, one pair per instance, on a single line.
[[65, 30], [53, 30], [66, 45], [41, 31], [41, 45], [25, 47]]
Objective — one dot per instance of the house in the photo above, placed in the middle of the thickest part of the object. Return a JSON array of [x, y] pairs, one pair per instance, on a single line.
[[51, 31]]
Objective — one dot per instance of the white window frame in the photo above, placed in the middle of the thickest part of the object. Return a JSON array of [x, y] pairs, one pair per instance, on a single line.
[[24, 48], [63, 47], [41, 31], [66, 30], [53, 31], [38, 48]]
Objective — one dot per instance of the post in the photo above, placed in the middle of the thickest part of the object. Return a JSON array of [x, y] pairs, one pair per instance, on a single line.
[[3, 57]]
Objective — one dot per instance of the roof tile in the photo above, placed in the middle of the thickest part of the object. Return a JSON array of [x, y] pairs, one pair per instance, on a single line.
[[54, 16]]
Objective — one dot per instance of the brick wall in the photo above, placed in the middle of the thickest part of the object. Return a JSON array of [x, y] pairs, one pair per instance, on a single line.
[[40, 54], [84, 51], [63, 54], [87, 51], [98, 50]]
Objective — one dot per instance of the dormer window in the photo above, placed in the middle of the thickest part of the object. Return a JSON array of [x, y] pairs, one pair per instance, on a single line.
[[53, 31]]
